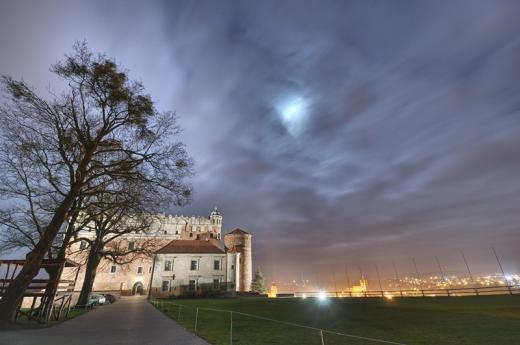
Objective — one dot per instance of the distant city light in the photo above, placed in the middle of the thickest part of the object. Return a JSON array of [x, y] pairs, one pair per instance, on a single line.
[[304, 296], [388, 296], [322, 296]]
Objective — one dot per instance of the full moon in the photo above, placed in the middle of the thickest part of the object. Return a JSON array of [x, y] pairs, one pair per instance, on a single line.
[[293, 114]]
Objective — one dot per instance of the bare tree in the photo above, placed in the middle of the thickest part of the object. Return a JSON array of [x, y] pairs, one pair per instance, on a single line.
[[108, 219], [103, 128]]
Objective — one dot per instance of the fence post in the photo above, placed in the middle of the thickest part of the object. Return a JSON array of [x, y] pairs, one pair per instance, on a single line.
[[231, 328], [321, 336], [196, 319]]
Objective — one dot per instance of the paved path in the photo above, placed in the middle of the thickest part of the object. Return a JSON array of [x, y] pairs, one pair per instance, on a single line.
[[129, 321]]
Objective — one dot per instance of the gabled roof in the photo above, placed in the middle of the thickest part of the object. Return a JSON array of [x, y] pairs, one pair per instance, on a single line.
[[191, 247], [238, 231]]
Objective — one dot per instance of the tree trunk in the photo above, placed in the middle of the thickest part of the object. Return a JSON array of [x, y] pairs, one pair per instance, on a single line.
[[90, 274], [14, 293], [54, 272]]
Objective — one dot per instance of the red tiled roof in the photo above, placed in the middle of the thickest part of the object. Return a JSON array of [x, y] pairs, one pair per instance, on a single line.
[[190, 247]]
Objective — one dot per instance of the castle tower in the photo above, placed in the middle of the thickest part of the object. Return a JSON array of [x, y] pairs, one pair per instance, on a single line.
[[215, 218], [240, 241]]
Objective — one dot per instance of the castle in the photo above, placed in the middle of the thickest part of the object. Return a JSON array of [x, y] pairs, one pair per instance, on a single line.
[[189, 256]]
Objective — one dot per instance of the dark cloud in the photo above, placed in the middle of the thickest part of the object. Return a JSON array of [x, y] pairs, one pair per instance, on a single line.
[[411, 141]]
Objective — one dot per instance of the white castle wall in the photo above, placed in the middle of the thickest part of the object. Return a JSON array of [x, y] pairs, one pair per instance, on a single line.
[[204, 274]]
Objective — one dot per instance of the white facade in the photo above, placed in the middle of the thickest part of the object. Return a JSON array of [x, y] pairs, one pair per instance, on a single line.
[[170, 227], [176, 274]]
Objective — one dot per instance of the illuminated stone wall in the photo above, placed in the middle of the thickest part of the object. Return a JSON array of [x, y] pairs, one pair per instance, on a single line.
[[240, 241]]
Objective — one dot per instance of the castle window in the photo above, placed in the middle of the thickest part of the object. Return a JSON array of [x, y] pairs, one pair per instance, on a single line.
[[113, 269], [216, 265], [83, 245], [168, 265], [216, 283], [140, 270], [232, 267], [192, 285], [191, 234], [131, 245], [194, 265], [165, 286]]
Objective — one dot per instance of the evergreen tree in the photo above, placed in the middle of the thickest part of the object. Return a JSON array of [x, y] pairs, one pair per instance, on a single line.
[[259, 282]]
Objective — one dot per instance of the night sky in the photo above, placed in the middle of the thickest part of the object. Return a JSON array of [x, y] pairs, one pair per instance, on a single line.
[[336, 132]]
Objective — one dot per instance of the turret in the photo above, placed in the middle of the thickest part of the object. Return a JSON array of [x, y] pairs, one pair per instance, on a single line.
[[216, 222], [240, 241]]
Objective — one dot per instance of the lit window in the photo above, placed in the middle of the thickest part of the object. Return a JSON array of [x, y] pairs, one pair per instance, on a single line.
[[216, 265], [113, 269], [194, 265], [140, 270], [167, 265]]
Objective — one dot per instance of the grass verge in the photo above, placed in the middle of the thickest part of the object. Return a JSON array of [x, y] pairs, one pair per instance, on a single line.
[[479, 320]]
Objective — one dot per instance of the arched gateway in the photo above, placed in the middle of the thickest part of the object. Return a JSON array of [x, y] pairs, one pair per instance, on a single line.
[[138, 289]]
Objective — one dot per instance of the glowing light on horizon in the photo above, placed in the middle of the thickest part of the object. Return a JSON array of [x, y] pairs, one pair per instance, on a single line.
[[322, 296]]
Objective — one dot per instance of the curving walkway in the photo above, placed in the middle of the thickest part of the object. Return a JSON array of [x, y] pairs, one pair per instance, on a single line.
[[129, 321]]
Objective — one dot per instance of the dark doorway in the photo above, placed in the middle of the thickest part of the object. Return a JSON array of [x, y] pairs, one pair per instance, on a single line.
[[137, 289]]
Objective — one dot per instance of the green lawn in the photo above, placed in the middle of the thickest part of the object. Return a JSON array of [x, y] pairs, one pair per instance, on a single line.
[[489, 320]]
